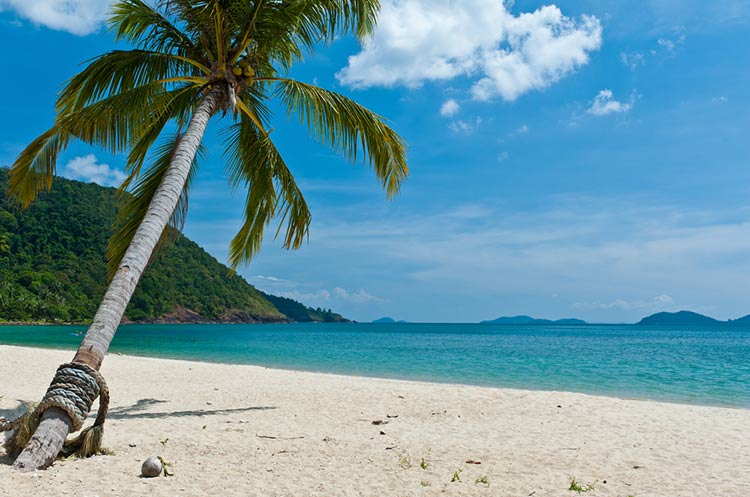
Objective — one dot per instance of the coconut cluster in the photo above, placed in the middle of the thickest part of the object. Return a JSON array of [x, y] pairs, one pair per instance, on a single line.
[[244, 70]]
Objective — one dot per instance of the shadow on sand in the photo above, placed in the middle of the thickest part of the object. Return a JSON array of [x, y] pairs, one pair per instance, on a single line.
[[137, 411], [10, 414], [128, 412]]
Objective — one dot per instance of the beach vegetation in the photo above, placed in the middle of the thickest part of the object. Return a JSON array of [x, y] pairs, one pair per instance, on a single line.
[[165, 466], [482, 480], [456, 475], [56, 272], [423, 464], [154, 103], [575, 486], [404, 460]]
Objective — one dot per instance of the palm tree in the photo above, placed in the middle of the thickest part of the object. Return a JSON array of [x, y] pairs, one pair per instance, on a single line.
[[195, 59]]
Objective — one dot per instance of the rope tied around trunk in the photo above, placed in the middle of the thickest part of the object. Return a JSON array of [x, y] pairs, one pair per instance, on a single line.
[[74, 389]]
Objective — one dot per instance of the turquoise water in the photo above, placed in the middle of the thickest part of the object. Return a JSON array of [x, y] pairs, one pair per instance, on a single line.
[[691, 365]]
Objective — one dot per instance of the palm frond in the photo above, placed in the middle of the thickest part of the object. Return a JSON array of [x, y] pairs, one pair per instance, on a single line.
[[113, 122], [219, 32], [349, 129], [254, 162], [34, 169], [145, 26], [245, 15], [124, 99], [129, 120], [283, 31], [329, 18], [119, 71]]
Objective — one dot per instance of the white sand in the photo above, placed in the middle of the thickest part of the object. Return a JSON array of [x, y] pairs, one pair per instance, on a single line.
[[211, 421]]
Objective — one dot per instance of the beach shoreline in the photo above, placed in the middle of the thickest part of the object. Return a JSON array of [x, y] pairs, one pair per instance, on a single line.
[[424, 382], [251, 430]]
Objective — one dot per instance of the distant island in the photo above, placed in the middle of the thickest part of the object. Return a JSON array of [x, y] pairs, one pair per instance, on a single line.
[[530, 320], [387, 320], [688, 318]]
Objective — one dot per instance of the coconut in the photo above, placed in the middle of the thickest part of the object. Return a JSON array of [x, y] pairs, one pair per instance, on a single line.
[[237, 71], [151, 467], [248, 71]]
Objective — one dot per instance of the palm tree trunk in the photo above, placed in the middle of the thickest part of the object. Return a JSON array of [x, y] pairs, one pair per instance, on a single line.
[[49, 437]]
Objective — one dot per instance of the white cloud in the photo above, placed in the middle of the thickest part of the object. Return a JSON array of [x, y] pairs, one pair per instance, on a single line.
[[503, 156], [323, 297], [521, 130], [270, 278], [358, 297], [604, 104], [449, 108], [597, 250], [507, 55], [80, 17], [465, 127], [670, 44], [88, 169], [632, 59], [658, 303], [666, 44], [313, 299]]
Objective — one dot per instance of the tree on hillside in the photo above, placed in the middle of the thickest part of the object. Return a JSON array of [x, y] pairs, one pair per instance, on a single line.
[[194, 59]]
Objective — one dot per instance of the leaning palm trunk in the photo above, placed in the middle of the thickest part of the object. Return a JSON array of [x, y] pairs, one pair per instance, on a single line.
[[55, 425], [227, 55]]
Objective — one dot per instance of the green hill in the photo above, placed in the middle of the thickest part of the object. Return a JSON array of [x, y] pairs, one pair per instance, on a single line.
[[387, 320], [688, 318], [681, 318], [300, 313], [529, 320], [744, 321], [52, 267]]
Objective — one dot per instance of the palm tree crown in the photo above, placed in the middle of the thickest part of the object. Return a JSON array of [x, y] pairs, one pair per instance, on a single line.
[[140, 101]]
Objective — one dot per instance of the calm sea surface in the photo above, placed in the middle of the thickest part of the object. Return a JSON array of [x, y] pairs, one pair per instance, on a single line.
[[708, 365]]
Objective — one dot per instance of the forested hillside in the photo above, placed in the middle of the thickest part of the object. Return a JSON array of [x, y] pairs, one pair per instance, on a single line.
[[299, 312], [53, 269]]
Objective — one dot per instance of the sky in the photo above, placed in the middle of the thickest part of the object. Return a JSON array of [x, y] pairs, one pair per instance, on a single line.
[[580, 159]]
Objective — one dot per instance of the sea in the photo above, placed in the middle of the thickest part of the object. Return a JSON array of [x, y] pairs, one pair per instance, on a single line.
[[694, 365]]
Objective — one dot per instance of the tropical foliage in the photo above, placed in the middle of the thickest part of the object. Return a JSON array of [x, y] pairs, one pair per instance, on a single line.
[[239, 51], [52, 267], [303, 314], [192, 60]]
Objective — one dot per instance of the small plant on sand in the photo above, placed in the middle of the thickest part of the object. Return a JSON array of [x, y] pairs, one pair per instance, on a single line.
[[404, 460], [165, 466], [423, 464], [483, 480], [577, 487], [456, 475], [424, 483]]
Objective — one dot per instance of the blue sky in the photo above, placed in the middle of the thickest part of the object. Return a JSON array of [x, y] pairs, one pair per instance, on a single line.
[[578, 159]]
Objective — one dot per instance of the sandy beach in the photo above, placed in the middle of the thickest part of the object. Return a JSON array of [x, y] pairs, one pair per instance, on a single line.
[[250, 431]]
